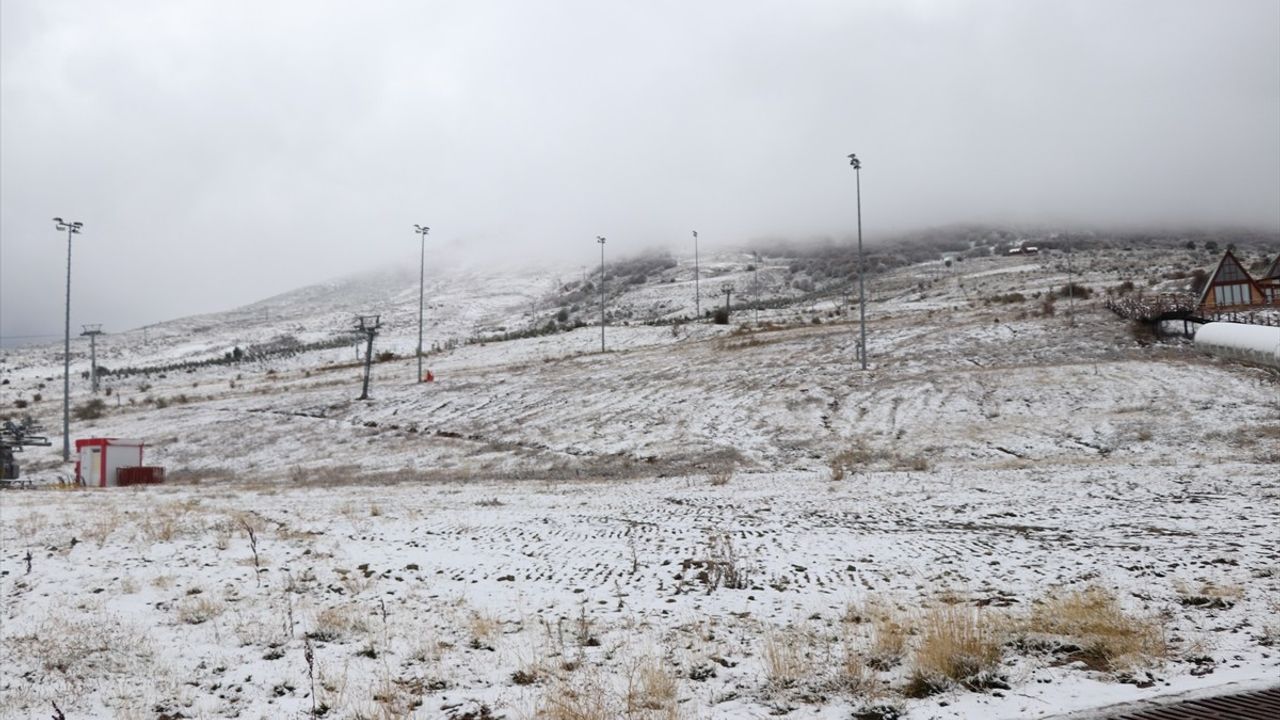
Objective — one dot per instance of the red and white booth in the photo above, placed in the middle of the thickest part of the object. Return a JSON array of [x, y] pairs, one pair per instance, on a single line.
[[108, 462]]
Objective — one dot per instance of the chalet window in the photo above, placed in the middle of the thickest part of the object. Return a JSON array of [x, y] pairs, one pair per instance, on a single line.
[[1235, 294]]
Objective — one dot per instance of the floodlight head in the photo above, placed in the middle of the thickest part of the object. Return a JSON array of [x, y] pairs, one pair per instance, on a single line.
[[855, 162], [58, 220], [695, 233], [78, 224], [600, 239]]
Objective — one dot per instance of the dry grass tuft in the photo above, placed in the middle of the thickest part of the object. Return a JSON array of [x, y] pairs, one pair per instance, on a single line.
[[577, 700], [959, 646], [397, 697], [81, 646], [651, 693], [100, 526], [721, 566], [919, 463], [1209, 595], [1269, 630], [197, 609], [1090, 626], [836, 468], [425, 648], [652, 687], [337, 623], [852, 674], [888, 641], [787, 659], [720, 478], [484, 629], [853, 458], [169, 521], [862, 456]]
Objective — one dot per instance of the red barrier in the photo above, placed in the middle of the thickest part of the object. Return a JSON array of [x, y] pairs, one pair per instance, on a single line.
[[143, 475]]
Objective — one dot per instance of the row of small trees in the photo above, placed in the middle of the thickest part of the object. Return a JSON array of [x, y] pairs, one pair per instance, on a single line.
[[278, 349]]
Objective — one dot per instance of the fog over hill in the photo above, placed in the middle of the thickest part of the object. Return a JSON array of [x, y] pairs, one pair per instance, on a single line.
[[814, 359], [218, 154]]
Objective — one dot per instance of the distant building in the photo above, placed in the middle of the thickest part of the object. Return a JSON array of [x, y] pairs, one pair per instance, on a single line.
[[1229, 287], [109, 462], [1270, 282]]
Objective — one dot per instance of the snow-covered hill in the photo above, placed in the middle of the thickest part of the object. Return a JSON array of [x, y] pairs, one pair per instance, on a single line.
[[968, 366], [1005, 447]]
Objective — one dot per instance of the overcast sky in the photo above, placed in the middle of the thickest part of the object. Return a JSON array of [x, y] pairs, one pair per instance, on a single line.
[[220, 152]]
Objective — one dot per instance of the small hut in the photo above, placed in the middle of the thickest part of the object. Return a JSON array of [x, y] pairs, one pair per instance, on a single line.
[[109, 462]]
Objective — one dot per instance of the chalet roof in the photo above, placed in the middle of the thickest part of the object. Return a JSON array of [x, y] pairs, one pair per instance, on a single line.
[[1228, 272], [1273, 272]]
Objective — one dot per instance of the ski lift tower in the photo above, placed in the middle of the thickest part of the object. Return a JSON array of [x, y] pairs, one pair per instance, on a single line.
[[13, 438], [93, 331], [368, 325]]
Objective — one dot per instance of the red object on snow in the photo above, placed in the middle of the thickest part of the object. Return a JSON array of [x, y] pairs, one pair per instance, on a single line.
[[140, 475], [429, 377], [100, 461]]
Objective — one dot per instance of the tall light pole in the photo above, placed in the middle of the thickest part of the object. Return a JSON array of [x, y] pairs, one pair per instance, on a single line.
[[697, 294], [1071, 287], [600, 239], [862, 293], [756, 290], [72, 228], [422, 264], [93, 331]]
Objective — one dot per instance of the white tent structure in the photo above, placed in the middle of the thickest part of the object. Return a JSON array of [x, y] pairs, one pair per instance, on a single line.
[[1252, 343]]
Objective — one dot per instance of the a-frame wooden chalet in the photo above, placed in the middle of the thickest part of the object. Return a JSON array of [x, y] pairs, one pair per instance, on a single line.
[[1270, 282], [1230, 287]]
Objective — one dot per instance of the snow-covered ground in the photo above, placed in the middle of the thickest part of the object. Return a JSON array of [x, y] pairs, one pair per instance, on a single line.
[[547, 528]]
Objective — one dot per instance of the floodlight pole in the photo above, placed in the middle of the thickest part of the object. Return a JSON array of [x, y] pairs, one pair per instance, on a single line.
[[422, 264], [697, 275], [72, 228], [1071, 287], [862, 293], [756, 290], [93, 331], [600, 240]]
